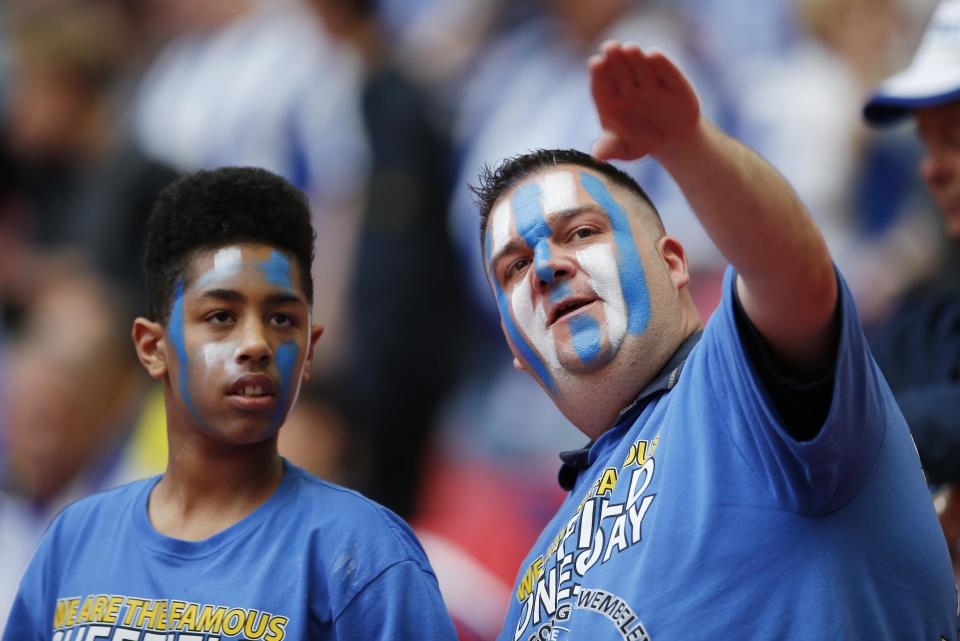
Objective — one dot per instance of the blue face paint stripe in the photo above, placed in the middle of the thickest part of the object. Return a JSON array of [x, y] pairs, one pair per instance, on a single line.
[[533, 228], [632, 280], [277, 270], [503, 304], [176, 333], [560, 291], [585, 335], [286, 360]]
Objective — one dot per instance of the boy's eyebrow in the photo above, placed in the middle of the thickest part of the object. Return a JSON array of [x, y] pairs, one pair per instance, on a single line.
[[233, 296]]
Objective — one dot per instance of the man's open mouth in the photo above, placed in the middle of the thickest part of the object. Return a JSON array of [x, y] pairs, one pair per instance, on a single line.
[[566, 308]]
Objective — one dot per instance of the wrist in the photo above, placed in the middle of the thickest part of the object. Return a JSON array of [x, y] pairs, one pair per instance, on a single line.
[[689, 145]]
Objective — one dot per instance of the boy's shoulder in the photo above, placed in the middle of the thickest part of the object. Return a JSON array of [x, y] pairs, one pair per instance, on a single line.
[[345, 514], [103, 504]]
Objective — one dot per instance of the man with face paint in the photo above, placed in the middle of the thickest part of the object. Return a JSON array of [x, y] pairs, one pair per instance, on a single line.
[[232, 541], [749, 478]]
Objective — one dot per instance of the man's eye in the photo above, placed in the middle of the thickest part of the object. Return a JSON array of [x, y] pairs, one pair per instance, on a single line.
[[583, 232], [517, 266]]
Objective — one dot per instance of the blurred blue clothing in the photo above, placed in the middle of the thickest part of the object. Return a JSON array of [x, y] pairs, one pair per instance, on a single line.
[[918, 349]]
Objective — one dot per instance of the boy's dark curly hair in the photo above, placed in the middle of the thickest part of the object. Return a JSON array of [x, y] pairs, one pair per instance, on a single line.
[[206, 210], [494, 183]]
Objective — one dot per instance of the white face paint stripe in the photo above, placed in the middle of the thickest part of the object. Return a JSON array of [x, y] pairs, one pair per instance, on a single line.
[[559, 191], [533, 323], [600, 265], [227, 260], [221, 355], [501, 222]]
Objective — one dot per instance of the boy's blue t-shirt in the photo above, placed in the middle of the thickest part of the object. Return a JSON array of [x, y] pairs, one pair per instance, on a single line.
[[314, 562], [702, 518]]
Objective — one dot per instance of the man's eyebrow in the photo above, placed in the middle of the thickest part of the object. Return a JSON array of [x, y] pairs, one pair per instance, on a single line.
[[512, 245], [573, 211]]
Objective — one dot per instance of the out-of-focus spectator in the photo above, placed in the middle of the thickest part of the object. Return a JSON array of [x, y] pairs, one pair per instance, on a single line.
[[800, 110], [251, 83], [919, 348], [75, 402], [404, 295], [81, 185]]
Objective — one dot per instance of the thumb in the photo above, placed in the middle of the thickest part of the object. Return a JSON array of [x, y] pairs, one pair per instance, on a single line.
[[609, 145]]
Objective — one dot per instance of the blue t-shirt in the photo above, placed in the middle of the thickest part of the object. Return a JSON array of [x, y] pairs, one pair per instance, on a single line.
[[314, 562], [702, 518]]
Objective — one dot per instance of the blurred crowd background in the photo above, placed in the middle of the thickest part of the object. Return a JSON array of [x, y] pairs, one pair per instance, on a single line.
[[383, 111]]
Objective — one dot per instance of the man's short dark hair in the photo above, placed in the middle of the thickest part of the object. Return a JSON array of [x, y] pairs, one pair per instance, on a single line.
[[211, 209], [493, 183]]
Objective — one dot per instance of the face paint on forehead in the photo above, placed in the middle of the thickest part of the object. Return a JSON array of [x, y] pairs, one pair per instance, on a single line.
[[227, 261], [629, 264], [277, 270], [559, 191]]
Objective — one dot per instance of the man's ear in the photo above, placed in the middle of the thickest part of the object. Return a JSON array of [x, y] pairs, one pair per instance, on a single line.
[[316, 331], [675, 258], [150, 339], [517, 365]]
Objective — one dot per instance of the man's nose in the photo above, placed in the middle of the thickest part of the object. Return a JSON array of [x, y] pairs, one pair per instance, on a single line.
[[254, 347], [550, 265]]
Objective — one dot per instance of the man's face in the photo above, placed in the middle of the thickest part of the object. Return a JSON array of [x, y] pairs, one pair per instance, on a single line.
[[939, 129], [568, 272], [239, 341]]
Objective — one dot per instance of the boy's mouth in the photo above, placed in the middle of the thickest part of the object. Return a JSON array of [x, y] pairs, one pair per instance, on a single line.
[[252, 391]]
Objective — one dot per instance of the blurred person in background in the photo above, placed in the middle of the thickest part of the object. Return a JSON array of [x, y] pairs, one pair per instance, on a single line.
[[403, 289], [800, 110], [919, 346], [81, 185], [75, 414]]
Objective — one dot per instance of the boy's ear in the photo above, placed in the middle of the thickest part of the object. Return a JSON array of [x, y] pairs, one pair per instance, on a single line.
[[316, 331], [150, 338]]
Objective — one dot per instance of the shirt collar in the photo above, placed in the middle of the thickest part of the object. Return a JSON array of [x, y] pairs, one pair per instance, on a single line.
[[664, 381]]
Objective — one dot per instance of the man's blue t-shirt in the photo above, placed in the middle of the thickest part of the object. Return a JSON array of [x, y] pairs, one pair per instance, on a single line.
[[702, 518], [314, 562]]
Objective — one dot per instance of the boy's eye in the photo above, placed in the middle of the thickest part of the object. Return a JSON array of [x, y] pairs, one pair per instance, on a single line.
[[220, 317], [282, 320]]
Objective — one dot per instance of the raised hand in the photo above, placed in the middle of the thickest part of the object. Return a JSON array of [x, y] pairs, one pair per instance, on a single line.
[[643, 100]]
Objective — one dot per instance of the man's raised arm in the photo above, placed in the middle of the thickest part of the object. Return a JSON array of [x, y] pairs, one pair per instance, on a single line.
[[786, 283]]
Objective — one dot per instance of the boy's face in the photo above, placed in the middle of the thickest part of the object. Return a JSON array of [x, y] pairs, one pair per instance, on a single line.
[[238, 343]]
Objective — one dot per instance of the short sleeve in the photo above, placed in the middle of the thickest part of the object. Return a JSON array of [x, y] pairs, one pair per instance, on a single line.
[[401, 604], [813, 476]]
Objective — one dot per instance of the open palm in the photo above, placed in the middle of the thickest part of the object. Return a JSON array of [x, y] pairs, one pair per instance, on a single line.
[[643, 100]]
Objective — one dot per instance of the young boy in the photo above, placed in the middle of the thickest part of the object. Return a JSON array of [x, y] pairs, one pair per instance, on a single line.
[[232, 542]]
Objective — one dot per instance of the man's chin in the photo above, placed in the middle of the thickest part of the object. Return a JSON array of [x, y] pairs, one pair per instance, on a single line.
[[576, 365]]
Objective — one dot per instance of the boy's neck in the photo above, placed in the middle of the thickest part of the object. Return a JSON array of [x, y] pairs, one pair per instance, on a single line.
[[209, 487]]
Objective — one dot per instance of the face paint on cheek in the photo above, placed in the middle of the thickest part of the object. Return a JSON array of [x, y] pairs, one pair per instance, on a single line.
[[533, 321], [600, 265], [175, 331], [516, 338], [286, 359], [221, 356], [585, 335], [629, 264]]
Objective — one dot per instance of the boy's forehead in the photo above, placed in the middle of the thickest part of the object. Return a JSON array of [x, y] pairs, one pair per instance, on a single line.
[[251, 260]]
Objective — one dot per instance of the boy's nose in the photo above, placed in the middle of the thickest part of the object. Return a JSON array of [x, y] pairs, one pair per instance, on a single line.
[[254, 347]]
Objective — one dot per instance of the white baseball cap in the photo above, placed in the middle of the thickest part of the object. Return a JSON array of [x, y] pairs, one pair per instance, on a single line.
[[933, 78]]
